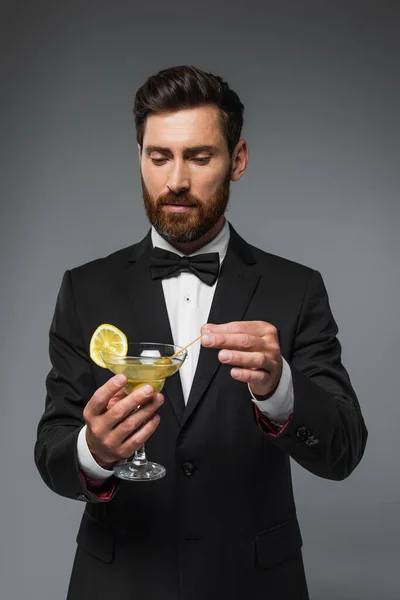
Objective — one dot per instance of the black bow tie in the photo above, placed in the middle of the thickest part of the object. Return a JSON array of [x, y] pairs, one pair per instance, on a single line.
[[168, 264]]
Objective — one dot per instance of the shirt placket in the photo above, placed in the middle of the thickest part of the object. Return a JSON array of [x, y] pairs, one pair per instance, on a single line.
[[188, 328]]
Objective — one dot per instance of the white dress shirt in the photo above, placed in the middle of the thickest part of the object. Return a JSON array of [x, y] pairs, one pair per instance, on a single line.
[[188, 302]]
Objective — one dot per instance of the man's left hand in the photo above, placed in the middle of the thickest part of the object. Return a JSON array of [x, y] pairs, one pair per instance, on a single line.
[[252, 347]]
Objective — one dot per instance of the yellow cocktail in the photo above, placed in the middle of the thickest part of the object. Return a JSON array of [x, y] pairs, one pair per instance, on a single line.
[[145, 363], [142, 370]]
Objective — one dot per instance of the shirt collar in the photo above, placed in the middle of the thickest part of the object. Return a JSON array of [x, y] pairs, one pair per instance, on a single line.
[[218, 244]]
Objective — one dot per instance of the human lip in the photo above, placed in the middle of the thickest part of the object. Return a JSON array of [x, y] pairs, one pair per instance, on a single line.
[[178, 208]]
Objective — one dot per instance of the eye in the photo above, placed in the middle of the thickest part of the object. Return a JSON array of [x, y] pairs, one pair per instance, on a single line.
[[202, 160], [158, 161]]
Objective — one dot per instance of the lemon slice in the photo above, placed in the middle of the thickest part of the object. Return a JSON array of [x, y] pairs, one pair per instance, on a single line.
[[107, 338]]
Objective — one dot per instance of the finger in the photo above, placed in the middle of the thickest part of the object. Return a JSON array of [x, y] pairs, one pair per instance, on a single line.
[[251, 376], [136, 420], [118, 413], [257, 328], [112, 439], [116, 398], [98, 403], [140, 437], [234, 341], [248, 360]]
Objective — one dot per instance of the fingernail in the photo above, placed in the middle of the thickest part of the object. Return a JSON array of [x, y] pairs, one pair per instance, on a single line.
[[207, 340], [148, 390], [225, 355], [119, 379], [156, 418]]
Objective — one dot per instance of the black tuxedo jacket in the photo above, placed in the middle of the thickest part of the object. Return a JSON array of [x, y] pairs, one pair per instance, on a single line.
[[224, 525]]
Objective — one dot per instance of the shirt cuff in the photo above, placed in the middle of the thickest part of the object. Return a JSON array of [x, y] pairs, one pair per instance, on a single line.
[[88, 465], [278, 407]]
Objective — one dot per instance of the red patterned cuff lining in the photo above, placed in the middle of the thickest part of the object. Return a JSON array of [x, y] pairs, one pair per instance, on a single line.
[[92, 485], [264, 423]]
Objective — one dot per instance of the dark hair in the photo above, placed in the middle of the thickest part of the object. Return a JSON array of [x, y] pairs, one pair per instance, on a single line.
[[182, 87]]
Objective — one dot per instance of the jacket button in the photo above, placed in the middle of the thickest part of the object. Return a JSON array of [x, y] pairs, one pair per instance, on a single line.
[[312, 441], [188, 468], [303, 432]]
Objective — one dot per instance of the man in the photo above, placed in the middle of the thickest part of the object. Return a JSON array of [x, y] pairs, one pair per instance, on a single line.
[[266, 383]]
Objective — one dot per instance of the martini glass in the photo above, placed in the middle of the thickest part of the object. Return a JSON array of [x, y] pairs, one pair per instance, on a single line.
[[146, 362]]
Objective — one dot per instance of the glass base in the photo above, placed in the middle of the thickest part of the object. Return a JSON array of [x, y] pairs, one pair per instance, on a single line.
[[148, 472]]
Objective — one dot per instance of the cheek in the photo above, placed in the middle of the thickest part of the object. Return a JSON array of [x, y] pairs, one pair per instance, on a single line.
[[154, 181], [208, 185]]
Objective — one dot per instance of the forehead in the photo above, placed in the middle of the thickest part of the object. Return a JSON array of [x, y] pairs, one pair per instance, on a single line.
[[188, 127]]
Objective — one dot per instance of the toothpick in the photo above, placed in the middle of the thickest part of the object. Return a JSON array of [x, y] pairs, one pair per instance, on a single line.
[[184, 347]]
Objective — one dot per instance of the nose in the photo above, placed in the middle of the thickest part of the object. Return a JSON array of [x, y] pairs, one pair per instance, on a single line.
[[178, 179]]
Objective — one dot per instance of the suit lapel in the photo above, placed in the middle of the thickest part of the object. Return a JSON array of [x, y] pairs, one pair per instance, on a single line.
[[150, 322], [236, 285]]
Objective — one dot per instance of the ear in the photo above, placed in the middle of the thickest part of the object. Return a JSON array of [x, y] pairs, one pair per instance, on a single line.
[[240, 158], [139, 147]]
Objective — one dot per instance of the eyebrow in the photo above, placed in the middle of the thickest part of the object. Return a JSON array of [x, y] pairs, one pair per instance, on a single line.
[[187, 153]]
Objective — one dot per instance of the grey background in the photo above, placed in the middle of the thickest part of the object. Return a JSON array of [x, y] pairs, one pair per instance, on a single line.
[[320, 82]]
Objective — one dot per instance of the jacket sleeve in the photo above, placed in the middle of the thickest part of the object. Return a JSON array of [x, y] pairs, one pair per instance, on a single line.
[[326, 433], [69, 384]]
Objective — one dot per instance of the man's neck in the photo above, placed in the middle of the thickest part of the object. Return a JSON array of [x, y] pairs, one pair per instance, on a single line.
[[189, 247]]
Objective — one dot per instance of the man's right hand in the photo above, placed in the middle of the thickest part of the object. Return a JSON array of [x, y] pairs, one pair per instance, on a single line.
[[111, 423]]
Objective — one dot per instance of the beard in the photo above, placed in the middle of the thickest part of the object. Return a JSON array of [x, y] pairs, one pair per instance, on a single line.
[[191, 226]]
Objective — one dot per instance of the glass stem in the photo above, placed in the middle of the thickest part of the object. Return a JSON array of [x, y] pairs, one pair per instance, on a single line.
[[139, 459]]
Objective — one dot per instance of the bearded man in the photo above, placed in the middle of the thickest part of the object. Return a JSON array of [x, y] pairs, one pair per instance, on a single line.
[[266, 383]]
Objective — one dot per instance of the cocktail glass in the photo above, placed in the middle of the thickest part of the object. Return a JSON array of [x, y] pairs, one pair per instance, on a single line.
[[144, 364]]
